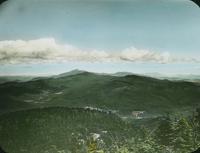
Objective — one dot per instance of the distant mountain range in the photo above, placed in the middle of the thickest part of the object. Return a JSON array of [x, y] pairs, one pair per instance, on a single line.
[[123, 94], [4, 79], [186, 77]]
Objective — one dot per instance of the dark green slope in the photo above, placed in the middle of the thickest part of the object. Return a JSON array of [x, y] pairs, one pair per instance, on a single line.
[[126, 94], [60, 130]]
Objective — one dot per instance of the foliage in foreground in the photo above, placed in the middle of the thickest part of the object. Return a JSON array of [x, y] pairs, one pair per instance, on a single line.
[[66, 130]]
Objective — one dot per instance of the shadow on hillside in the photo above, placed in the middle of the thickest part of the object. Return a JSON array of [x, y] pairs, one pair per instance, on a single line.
[[197, 151], [2, 151]]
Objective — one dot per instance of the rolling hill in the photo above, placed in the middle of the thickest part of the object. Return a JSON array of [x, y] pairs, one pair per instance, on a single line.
[[123, 94]]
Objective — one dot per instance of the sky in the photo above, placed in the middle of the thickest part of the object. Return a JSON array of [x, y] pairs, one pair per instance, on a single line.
[[42, 37]]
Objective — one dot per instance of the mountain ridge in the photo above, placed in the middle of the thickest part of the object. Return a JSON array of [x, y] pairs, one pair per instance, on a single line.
[[124, 94]]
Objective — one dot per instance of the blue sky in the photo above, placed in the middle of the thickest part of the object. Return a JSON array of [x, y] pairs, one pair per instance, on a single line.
[[158, 26]]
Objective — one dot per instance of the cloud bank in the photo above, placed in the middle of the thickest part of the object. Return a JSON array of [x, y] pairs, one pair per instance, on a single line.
[[48, 50]]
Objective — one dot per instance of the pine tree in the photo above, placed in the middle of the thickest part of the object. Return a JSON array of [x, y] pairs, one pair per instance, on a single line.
[[197, 124], [184, 139], [195, 131], [165, 132]]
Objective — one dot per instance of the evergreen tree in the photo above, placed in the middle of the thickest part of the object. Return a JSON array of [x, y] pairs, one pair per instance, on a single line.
[[197, 124], [195, 131], [184, 140], [164, 134]]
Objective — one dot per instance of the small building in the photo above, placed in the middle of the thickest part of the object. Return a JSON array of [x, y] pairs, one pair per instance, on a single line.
[[137, 114]]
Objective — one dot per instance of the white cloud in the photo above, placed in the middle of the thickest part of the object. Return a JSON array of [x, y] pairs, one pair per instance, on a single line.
[[133, 54], [47, 49]]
